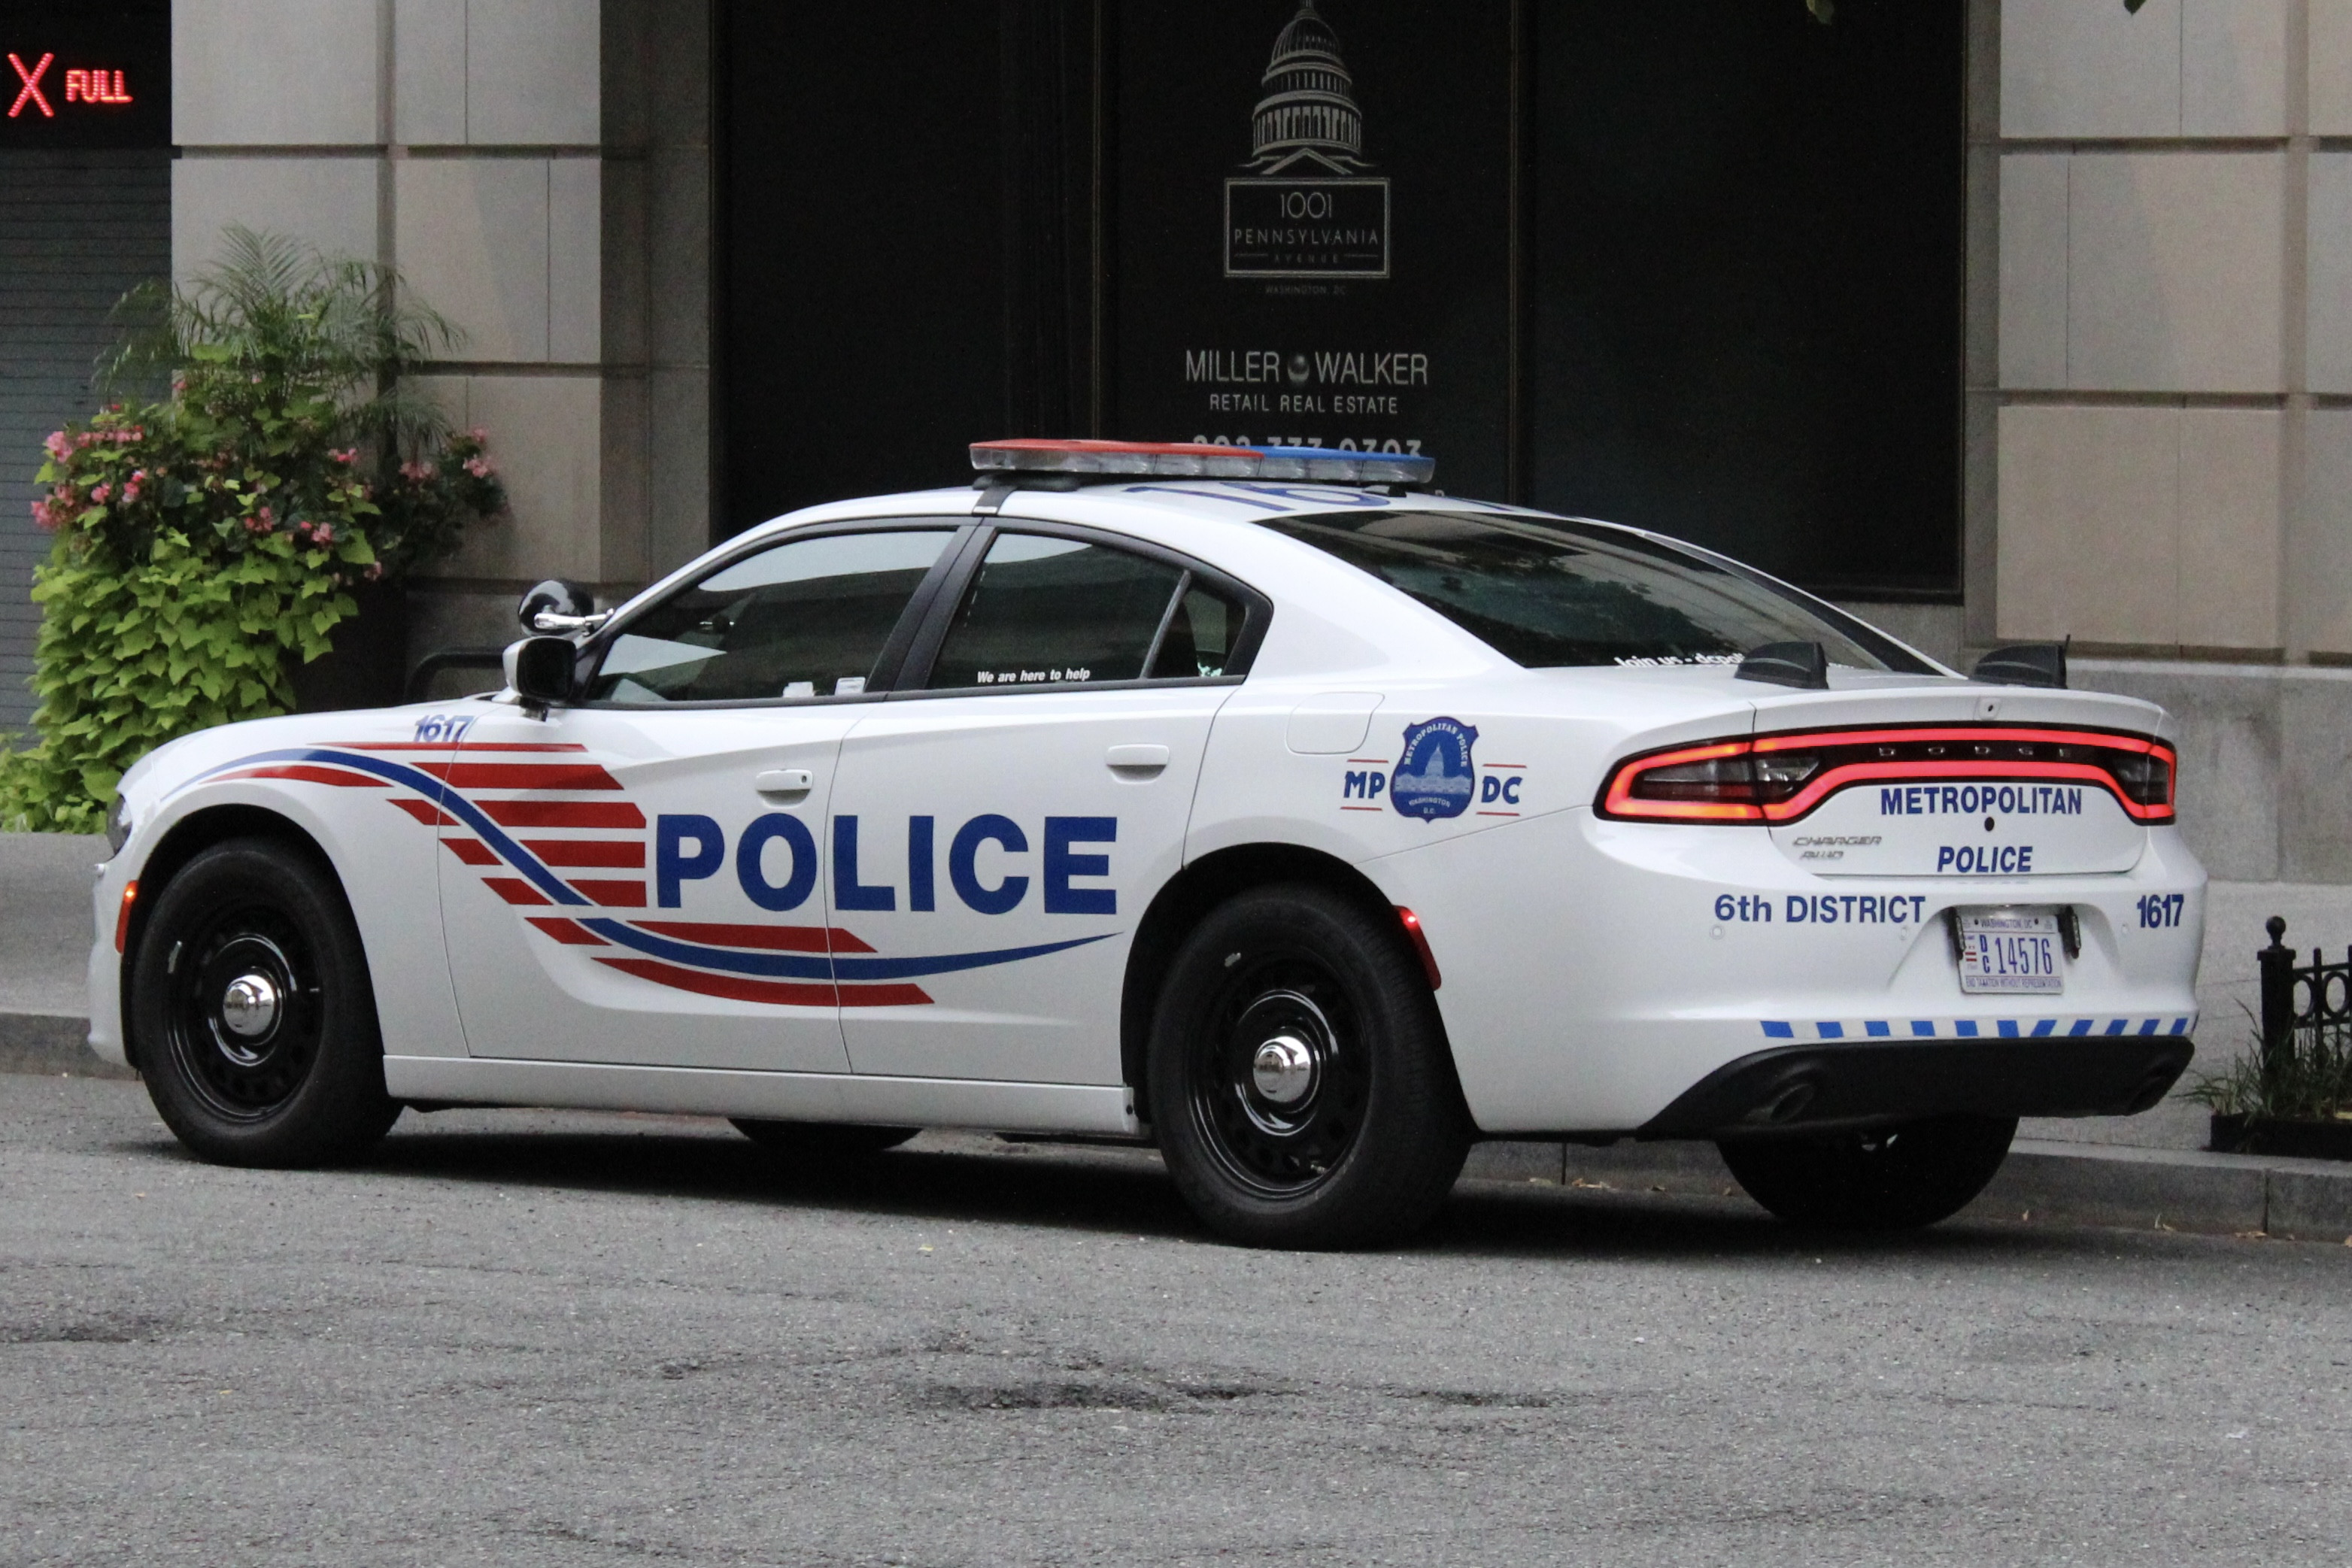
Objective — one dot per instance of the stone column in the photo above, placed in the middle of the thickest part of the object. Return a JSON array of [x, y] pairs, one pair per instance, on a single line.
[[2175, 331], [539, 172]]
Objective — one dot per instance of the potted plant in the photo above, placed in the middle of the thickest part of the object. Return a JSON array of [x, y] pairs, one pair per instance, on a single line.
[[211, 541], [2297, 1102]]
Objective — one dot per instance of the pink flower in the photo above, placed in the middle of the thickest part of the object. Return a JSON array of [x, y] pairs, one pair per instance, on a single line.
[[481, 437], [374, 571], [348, 455], [100, 492], [58, 446], [416, 472], [480, 467], [323, 534]]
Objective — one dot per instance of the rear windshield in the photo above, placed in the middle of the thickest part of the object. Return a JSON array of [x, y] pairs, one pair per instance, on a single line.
[[1549, 594]]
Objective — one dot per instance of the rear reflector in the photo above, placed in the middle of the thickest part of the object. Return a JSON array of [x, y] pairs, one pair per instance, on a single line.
[[1778, 779]]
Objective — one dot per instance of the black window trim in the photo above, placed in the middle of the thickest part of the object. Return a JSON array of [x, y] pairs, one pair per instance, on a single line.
[[1257, 612], [887, 666]]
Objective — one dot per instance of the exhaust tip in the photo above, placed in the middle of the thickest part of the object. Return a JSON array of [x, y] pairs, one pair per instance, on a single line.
[[1785, 1103]]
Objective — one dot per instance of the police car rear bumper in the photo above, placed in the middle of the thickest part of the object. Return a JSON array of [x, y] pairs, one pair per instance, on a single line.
[[1817, 1087]]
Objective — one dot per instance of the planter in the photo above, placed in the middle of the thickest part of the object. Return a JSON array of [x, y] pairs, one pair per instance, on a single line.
[[2330, 1140], [369, 662]]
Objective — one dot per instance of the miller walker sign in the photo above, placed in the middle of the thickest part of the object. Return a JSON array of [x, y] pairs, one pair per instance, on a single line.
[[1308, 208]]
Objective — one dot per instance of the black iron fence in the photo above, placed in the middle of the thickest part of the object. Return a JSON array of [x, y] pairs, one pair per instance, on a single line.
[[2307, 1008]]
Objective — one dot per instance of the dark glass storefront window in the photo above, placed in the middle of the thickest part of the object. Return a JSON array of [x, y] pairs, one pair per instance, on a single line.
[[1694, 267], [1746, 282]]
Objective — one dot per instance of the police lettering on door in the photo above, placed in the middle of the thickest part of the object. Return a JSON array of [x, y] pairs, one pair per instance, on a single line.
[[988, 861]]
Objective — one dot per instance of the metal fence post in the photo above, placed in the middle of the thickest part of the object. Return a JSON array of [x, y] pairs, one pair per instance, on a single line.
[[2278, 1003]]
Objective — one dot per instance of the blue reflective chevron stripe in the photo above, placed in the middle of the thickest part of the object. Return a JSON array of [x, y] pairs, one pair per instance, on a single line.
[[2138, 1025], [817, 965]]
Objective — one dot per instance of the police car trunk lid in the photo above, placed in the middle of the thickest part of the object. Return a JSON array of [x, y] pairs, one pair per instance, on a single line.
[[1964, 780]]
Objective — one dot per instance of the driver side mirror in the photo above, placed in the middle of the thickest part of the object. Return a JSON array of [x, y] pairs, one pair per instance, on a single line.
[[540, 670]]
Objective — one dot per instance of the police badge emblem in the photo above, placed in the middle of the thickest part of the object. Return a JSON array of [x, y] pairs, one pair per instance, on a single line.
[[1433, 775]]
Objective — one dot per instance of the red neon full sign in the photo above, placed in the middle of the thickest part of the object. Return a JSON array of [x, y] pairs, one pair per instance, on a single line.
[[99, 88]]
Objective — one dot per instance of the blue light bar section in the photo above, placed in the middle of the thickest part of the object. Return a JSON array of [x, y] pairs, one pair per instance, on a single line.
[[1186, 460]]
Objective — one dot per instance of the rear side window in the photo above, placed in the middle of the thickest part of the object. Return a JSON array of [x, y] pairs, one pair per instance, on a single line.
[[807, 617], [1550, 594], [1042, 612]]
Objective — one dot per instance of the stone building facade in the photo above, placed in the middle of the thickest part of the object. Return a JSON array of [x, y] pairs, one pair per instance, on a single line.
[[2156, 368]]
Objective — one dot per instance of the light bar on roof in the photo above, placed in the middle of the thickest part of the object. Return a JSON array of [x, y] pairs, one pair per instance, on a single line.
[[1194, 460]]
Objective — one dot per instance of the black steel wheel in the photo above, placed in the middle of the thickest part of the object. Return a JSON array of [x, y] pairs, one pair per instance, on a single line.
[[821, 1143], [1300, 1083], [251, 1013], [1898, 1177]]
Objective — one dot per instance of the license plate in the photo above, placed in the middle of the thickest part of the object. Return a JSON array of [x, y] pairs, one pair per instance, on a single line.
[[2009, 952]]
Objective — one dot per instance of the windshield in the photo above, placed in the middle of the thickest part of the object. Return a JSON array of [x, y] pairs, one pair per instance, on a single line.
[[1549, 593]]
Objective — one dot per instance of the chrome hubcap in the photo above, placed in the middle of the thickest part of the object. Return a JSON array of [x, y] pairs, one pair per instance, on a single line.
[[1283, 1070], [249, 1006]]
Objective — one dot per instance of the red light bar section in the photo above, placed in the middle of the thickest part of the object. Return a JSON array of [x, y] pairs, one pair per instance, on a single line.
[[1201, 460]]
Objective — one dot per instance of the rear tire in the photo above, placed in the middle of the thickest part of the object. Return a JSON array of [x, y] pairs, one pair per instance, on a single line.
[[1886, 1179], [253, 1014], [1302, 1088], [821, 1143]]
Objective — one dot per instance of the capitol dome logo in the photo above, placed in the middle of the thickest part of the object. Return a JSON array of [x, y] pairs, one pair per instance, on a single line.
[[1308, 205]]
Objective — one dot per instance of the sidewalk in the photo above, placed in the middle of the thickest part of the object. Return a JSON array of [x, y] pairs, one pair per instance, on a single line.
[[2140, 1171]]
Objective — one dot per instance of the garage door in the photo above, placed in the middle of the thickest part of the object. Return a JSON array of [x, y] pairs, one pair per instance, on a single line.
[[77, 230]]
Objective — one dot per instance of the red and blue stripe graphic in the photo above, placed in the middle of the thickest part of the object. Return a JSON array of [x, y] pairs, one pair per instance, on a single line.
[[486, 790]]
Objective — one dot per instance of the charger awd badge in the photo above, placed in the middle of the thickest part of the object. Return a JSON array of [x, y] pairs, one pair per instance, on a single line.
[[1434, 777]]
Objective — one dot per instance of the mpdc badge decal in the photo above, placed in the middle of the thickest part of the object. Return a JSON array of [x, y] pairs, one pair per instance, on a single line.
[[1433, 775]]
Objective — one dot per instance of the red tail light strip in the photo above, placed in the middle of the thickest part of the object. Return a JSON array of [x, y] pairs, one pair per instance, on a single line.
[[1618, 800]]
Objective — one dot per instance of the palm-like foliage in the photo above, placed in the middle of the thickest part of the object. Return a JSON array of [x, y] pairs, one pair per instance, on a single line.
[[279, 314]]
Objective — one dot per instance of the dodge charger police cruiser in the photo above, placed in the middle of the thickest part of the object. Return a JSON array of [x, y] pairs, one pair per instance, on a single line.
[[1267, 804]]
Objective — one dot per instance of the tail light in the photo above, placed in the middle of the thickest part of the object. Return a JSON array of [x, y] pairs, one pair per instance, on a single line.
[[1780, 778]]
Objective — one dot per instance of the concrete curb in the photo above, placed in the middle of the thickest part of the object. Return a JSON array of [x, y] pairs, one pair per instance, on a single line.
[[2043, 1182], [52, 1044]]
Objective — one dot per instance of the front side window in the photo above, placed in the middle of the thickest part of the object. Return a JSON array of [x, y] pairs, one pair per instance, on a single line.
[[1546, 594], [1058, 612], [807, 617]]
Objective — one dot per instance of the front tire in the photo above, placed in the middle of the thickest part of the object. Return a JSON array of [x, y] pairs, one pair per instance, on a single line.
[[1886, 1178], [1301, 1085], [253, 1013]]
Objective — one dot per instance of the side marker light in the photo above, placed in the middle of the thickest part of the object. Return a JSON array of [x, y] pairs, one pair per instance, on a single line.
[[122, 919], [1420, 939]]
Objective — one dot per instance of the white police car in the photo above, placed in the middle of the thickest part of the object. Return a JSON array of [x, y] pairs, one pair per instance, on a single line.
[[1266, 803]]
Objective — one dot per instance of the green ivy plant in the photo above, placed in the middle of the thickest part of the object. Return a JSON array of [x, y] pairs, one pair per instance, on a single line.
[[207, 540]]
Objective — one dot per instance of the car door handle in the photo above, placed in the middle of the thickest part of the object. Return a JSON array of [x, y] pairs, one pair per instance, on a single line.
[[784, 781], [1136, 758]]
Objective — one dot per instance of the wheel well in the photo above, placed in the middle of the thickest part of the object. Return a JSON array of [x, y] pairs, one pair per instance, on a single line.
[[1179, 906], [189, 838]]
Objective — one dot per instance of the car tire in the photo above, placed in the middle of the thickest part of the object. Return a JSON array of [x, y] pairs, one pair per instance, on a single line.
[[821, 1143], [1352, 1132], [252, 1012], [1886, 1178]]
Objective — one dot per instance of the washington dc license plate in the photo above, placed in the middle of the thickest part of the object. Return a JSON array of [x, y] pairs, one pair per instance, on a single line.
[[2011, 951]]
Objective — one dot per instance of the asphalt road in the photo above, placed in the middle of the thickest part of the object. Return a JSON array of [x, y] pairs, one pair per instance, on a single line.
[[538, 1338]]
